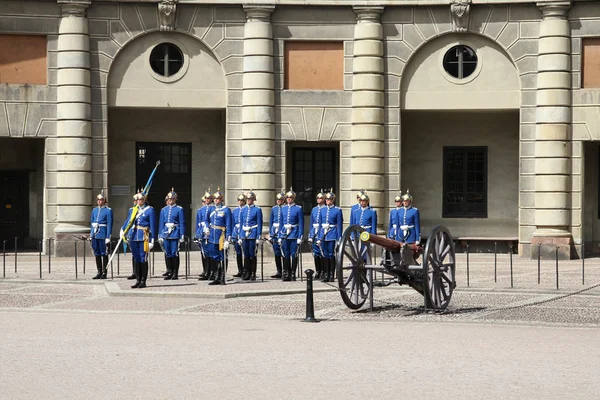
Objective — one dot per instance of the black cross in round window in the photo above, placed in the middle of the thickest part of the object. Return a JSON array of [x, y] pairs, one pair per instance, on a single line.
[[460, 61], [166, 59]]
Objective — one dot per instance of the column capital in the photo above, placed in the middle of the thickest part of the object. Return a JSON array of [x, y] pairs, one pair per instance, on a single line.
[[554, 9], [73, 7], [258, 12], [368, 13]]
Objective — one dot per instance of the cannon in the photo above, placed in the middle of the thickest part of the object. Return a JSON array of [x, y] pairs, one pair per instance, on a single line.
[[434, 278]]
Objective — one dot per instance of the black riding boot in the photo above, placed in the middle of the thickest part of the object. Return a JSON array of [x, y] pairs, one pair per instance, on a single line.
[[294, 267], [318, 262], [104, 266], [278, 266], [204, 274], [247, 269], [240, 265], [98, 267], [143, 274], [137, 271], [287, 269], [331, 269], [175, 268], [132, 276], [325, 270], [169, 273], [217, 265], [253, 262]]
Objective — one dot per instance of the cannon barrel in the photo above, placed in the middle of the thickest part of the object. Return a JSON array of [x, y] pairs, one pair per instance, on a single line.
[[388, 244]]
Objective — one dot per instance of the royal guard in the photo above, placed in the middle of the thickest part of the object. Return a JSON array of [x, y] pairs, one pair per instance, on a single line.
[[330, 233], [290, 236], [171, 232], [202, 237], [357, 205], [313, 236], [101, 223], [219, 232], [141, 238], [132, 276], [365, 215], [252, 221], [393, 226], [408, 221], [235, 233], [274, 228]]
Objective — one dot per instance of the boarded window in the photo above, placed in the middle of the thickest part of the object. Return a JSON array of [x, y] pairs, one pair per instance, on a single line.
[[591, 63], [314, 65], [23, 59]]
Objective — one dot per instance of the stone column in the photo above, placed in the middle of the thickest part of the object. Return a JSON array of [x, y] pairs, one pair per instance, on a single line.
[[258, 132], [74, 196], [367, 134], [553, 133]]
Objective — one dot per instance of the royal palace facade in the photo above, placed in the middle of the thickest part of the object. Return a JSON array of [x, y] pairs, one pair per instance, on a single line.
[[487, 110]]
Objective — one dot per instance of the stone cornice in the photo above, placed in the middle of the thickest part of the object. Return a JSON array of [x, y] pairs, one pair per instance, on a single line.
[[73, 7], [368, 13], [554, 9], [258, 12]]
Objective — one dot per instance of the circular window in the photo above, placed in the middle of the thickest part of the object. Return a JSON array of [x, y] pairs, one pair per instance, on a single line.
[[166, 59], [460, 61]]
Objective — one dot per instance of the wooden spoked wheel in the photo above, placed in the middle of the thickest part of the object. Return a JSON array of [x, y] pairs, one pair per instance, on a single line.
[[350, 267], [439, 269]]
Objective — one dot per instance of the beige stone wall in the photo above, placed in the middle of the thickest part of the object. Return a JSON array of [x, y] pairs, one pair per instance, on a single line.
[[423, 138], [203, 128]]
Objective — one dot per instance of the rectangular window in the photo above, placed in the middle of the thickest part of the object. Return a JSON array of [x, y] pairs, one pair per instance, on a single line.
[[314, 65], [465, 182], [590, 63], [23, 59], [313, 169]]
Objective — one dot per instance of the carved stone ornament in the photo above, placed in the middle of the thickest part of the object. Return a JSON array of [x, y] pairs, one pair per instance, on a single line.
[[167, 10], [460, 11]]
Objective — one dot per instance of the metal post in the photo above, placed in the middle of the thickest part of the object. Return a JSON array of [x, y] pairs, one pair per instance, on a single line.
[[582, 263], [118, 260], [468, 283], [371, 289], [76, 260], [495, 262], [310, 305], [185, 255], [152, 274], [84, 255], [49, 255], [4, 258], [511, 266], [556, 257], [16, 243], [41, 245], [262, 262], [300, 264], [539, 262]]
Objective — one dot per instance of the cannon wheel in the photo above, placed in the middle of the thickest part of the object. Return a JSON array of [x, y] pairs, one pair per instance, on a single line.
[[350, 268], [439, 269]]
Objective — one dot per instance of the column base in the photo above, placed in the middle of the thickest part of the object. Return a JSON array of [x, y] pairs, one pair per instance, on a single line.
[[546, 244], [65, 236]]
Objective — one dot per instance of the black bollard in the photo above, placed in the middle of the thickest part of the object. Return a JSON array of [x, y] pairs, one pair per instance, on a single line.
[[495, 261], [539, 262], [41, 245], [310, 305], [556, 267], [76, 260], [582, 263], [16, 243], [467, 263], [511, 266]]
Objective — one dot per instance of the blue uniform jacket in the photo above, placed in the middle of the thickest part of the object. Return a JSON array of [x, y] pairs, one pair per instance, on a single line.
[[252, 221], [293, 222], [171, 215], [366, 218], [331, 223], [275, 222], [201, 221], [237, 224], [217, 219], [315, 222], [408, 218], [145, 220], [101, 223]]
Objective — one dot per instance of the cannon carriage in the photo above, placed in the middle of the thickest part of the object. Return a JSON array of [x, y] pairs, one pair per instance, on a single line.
[[434, 278]]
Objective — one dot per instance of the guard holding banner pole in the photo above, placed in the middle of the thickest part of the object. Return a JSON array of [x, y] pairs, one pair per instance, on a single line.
[[218, 224]]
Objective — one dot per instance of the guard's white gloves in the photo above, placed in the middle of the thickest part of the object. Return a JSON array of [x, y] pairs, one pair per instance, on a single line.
[[161, 241], [310, 240], [240, 242], [121, 233], [225, 245], [280, 241], [206, 231], [318, 242], [182, 239], [150, 245], [107, 240], [417, 243], [299, 241]]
